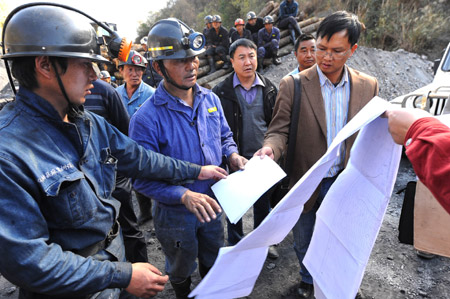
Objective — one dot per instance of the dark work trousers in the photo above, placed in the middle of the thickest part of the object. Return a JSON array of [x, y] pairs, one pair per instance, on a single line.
[[290, 23], [135, 246], [261, 209], [219, 50]]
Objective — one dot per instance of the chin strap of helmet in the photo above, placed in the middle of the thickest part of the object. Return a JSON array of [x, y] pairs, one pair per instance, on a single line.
[[167, 77], [71, 108]]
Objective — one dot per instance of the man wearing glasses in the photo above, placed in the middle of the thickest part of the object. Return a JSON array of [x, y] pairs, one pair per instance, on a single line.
[[332, 94]]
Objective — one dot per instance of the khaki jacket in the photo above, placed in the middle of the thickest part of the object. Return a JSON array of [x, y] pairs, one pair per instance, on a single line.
[[311, 142]]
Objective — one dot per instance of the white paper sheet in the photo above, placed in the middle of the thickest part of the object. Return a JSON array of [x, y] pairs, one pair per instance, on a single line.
[[236, 268], [351, 214], [241, 189]]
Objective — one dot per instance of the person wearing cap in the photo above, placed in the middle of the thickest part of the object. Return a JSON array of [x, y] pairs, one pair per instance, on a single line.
[[305, 52], [208, 24], [254, 24], [268, 42], [247, 99], [59, 235], [217, 42], [105, 76], [134, 91], [184, 120], [240, 32], [286, 18]]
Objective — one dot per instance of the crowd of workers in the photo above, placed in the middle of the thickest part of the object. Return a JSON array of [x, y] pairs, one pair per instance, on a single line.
[[259, 30], [68, 228]]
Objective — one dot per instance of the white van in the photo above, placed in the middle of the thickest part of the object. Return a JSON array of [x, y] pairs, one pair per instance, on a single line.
[[434, 96]]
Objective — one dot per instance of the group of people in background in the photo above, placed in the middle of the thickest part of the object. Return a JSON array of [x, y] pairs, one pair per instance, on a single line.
[[69, 176], [260, 30]]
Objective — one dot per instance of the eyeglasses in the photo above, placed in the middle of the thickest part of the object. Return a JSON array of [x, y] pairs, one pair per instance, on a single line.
[[333, 54]]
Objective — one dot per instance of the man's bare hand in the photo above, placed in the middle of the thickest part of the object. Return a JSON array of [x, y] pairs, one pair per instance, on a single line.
[[212, 172], [265, 151], [237, 162], [146, 280], [203, 206], [399, 121]]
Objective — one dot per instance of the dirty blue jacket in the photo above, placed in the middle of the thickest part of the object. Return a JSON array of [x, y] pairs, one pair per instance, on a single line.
[[56, 180], [138, 98], [200, 135], [265, 38], [288, 9]]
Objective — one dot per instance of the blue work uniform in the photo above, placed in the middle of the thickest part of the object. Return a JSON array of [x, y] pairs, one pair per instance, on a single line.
[[198, 134], [57, 179], [138, 98]]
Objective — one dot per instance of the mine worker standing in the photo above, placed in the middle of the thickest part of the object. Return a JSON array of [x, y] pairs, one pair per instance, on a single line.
[[254, 24], [217, 42], [134, 91], [240, 32], [105, 76], [186, 121], [286, 18], [268, 42], [59, 233]]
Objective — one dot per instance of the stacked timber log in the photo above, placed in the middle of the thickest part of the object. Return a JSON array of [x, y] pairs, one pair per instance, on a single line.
[[271, 8]]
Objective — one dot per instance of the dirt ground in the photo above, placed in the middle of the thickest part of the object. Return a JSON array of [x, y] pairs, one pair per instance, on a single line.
[[394, 270]]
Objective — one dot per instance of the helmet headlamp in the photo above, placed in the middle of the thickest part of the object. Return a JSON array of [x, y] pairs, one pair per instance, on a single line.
[[136, 59], [196, 41]]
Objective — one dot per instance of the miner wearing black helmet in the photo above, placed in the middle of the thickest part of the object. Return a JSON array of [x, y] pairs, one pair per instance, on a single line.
[[208, 24], [217, 43], [59, 235], [184, 120], [254, 24]]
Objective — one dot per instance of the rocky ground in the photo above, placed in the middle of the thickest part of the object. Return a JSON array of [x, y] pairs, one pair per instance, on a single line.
[[394, 270]]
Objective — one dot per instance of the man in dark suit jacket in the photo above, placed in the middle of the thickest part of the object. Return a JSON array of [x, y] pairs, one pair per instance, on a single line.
[[332, 94]]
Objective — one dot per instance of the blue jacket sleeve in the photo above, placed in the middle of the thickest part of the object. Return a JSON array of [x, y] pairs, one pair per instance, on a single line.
[[144, 132], [29, 260]]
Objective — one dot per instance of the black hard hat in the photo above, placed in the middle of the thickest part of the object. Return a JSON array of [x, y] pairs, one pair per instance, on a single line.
[[208, 19], [47, 30], [268, 20], [217, 18], [173, 39], [134, 58], [251, 15]]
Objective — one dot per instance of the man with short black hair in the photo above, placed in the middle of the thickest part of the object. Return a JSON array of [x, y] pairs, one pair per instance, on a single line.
[[332, 94], [305, 52], [247, 99]]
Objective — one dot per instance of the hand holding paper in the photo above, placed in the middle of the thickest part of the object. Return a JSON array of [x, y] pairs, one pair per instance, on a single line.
[[241, 189]]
